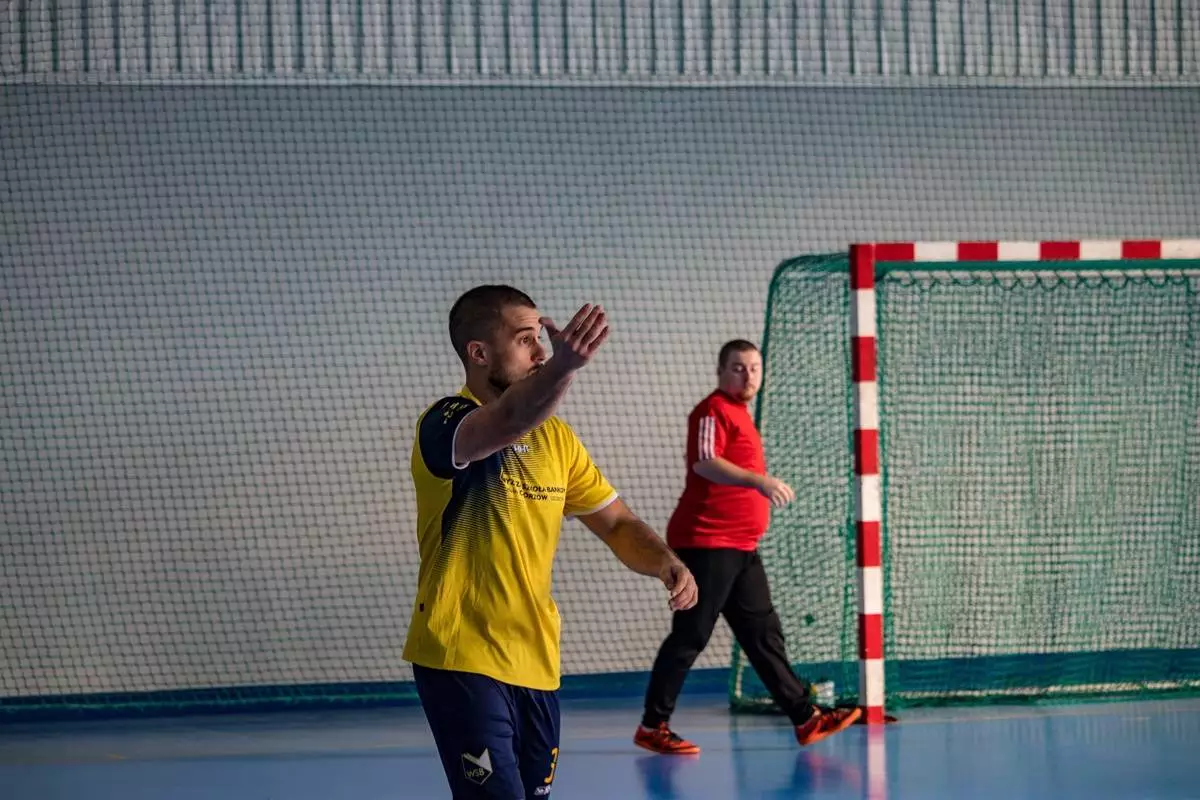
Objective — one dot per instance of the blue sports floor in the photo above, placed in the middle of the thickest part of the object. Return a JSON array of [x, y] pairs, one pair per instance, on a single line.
[[1096, 751]]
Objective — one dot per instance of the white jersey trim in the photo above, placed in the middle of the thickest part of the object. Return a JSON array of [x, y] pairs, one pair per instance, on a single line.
[[612, 498], [706, 438]]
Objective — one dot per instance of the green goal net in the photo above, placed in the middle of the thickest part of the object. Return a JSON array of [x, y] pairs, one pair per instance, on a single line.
[[1040, 457]]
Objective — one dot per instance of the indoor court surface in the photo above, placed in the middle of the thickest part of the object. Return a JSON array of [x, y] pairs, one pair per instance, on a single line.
[[1100, 750]]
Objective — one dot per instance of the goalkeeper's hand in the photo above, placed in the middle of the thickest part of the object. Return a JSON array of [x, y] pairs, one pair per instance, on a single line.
[[775, 490]]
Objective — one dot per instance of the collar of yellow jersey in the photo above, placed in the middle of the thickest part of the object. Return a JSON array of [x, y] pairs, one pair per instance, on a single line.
[[465, 392]]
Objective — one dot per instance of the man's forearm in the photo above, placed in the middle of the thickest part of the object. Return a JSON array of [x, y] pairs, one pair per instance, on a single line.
[[718, 470], [638, 547], [525, 405], [530, 402]]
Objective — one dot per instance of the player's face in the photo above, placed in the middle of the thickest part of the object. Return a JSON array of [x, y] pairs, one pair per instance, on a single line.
[[741, 376], [516, 352]]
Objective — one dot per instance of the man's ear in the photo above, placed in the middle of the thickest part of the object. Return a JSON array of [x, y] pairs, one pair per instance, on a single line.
[[477, 354]]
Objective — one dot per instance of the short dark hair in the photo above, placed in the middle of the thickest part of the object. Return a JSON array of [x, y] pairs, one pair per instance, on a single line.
[[476, 314], [731, 347]]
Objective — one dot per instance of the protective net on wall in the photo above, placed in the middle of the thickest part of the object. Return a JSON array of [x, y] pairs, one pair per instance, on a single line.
[[232, 233]]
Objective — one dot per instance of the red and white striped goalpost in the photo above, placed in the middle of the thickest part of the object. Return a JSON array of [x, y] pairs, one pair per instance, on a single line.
[[868, 494], [868, 483]]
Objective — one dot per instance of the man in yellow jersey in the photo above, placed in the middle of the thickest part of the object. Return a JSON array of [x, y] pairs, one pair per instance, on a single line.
[[495, 472]]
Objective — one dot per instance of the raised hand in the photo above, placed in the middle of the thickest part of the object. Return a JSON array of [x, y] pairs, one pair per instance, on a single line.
[[575, 344]]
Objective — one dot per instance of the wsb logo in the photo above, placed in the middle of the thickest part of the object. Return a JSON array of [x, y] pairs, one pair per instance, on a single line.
[[477, 768]]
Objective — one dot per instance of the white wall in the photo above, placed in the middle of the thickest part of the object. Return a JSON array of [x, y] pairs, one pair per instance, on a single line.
[[223, 309]]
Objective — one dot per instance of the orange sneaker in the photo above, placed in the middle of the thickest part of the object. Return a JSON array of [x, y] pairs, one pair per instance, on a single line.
[[825, 722], [663, 740]]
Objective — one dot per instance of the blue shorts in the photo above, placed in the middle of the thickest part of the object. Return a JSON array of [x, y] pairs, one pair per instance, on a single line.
[[495, 740]]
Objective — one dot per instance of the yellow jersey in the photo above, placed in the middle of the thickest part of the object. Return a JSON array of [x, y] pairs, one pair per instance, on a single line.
[[487, 533]]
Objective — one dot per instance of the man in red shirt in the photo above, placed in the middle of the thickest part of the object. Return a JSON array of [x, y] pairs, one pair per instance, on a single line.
[[724, 511]]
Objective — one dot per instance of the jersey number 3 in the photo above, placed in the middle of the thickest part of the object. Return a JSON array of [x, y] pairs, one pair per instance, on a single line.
[[553, 766]]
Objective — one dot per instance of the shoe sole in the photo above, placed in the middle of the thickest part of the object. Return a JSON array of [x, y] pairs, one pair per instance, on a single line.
[[685, 752]]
